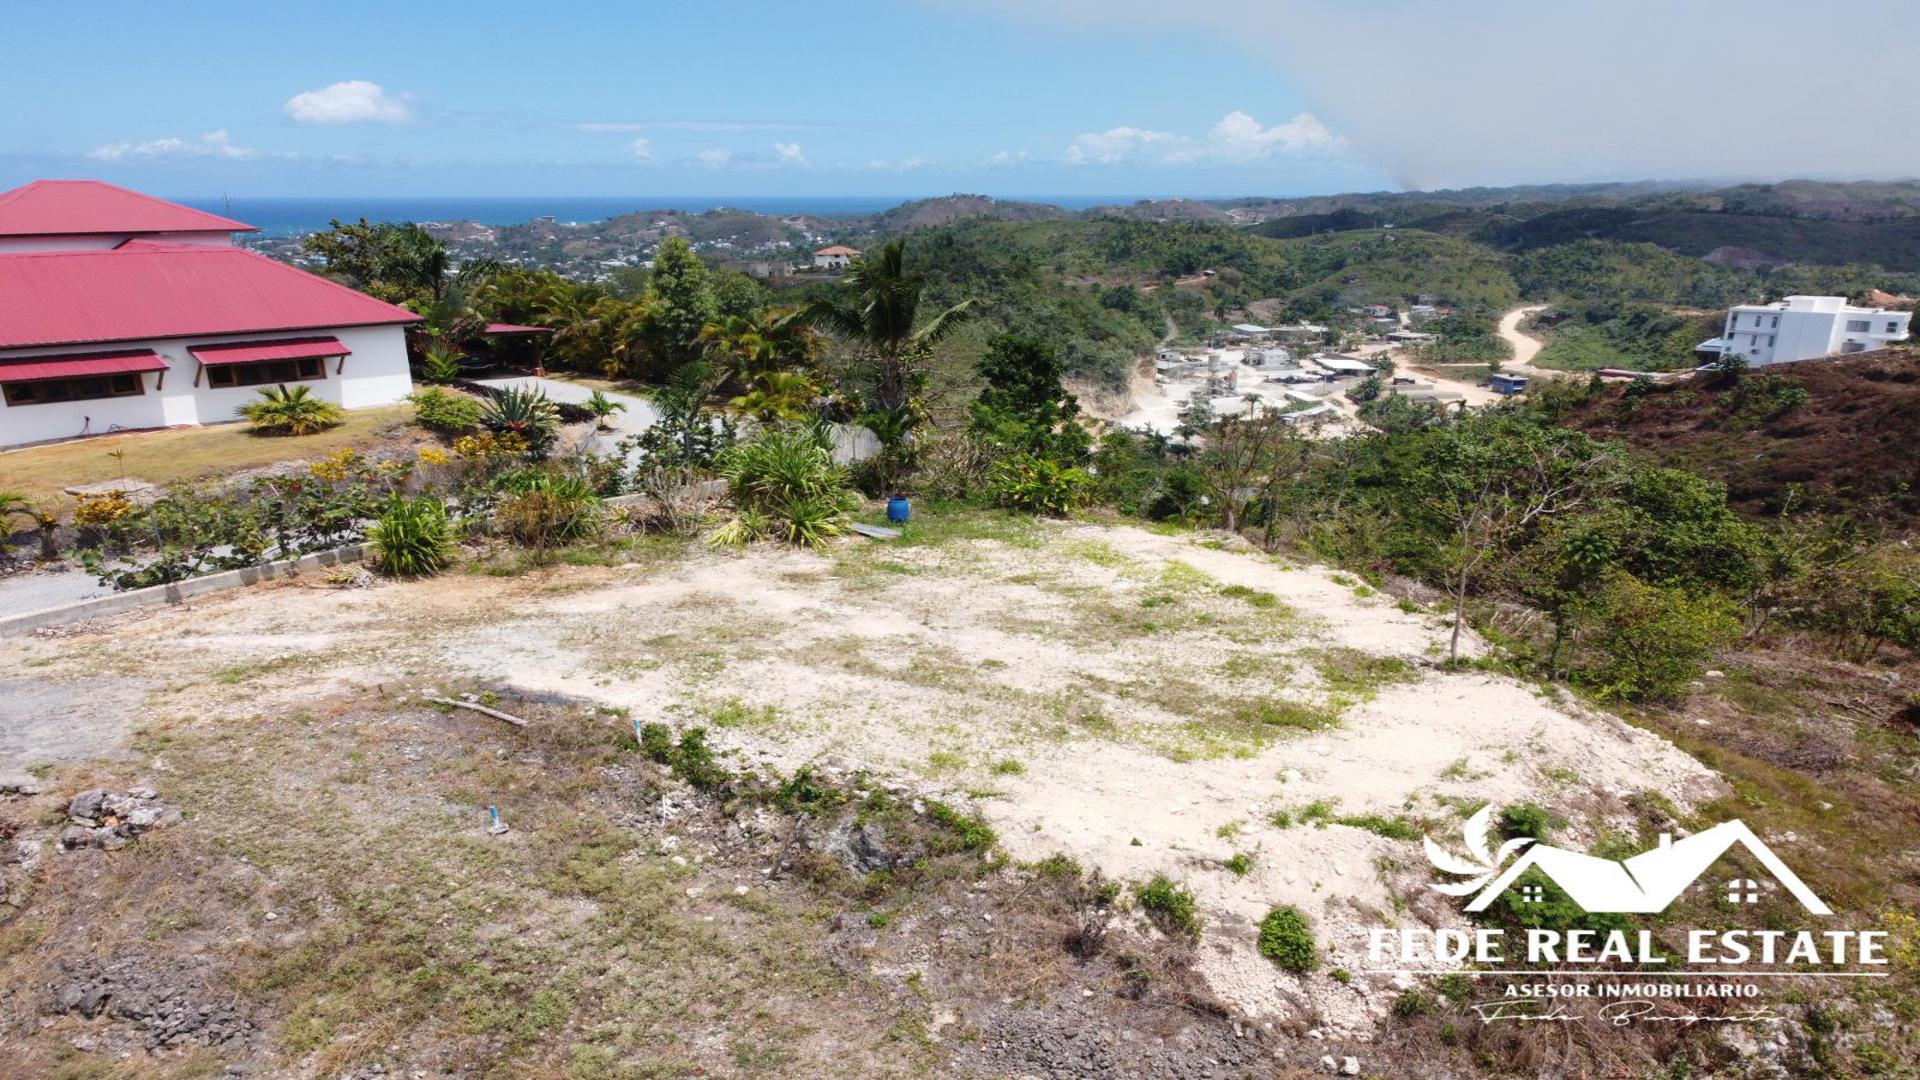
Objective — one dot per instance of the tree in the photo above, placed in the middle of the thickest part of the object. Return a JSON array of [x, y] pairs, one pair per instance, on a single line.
[[1024, 407], [680, 304], [1491, 479], [602, 407], [879, 318], [400, 263], [1247, 460]]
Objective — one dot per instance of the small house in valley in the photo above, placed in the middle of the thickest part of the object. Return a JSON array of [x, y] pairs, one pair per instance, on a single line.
[[834, 258]]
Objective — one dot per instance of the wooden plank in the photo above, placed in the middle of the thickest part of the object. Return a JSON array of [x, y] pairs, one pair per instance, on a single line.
[[876, 532]]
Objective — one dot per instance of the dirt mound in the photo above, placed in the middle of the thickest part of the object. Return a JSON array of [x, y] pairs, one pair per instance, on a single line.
[[1849, 447]]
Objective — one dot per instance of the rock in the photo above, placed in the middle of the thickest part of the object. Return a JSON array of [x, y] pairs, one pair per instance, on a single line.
[[1289, 776], [1315, 1034], [1327, 1063], [1350, 1066], [86, 806]]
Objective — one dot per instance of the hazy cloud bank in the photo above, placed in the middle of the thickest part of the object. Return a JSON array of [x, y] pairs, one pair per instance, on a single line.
[[1505, 91]]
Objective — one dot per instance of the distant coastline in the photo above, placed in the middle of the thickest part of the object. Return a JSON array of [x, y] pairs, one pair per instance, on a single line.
[[296, 216]]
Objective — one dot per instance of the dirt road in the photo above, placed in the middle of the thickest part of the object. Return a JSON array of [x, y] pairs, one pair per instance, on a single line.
[[1525, 346]]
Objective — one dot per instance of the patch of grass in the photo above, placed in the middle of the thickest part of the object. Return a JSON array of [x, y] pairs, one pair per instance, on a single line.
[[1352, 676], [1006, 767], [1170, 906], [1393, 828], [1254, 597], [970, 833], [42, 473], [1286, 939], [1240, 865], [734, 713]]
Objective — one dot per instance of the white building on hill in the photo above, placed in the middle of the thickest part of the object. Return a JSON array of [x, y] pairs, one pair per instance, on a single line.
[[1804, 328], [120, 311]]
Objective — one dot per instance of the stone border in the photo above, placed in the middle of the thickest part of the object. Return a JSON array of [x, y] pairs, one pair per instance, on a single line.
[[178, 591]]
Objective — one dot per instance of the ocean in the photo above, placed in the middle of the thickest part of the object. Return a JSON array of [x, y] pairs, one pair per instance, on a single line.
[[298, 216]]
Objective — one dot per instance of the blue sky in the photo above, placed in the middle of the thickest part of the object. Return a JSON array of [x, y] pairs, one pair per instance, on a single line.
[[1007, 97], [738, 98]]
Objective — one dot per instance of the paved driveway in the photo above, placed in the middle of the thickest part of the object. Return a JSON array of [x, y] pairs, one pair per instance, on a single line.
[[639, 415]]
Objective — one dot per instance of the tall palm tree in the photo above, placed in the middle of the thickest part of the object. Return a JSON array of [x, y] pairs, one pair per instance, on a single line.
[[881, 319]]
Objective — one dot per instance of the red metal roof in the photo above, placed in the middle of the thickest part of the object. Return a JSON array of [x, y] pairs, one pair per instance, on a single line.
[[255, 352], [144, 291], [837, 249], [79, 364], [86, 207], [515, 328]]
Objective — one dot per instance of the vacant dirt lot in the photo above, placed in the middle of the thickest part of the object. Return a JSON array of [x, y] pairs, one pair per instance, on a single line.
[[1141, 703]]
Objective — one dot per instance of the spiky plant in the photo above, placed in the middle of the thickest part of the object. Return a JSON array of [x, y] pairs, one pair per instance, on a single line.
[[786, 486], [440, 361], [413, 537], [291, 411], [526, 412]]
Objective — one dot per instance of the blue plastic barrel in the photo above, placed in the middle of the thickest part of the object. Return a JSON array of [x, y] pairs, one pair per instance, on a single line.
[[898, 510]]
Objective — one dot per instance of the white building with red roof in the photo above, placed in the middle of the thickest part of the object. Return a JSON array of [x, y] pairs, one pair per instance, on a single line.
[[121, 311], [836, 257]]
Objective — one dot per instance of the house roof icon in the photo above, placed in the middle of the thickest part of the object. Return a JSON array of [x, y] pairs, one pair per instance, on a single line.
[[1651, 880]]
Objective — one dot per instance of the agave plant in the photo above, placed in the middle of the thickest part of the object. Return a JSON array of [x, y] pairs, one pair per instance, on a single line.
[[525, 412], [413, 537], [295, 411], [786, 487]]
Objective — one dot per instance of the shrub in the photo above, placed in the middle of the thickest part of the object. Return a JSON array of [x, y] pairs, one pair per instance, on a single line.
[[1240, 865], [440, 362], [601, 407], [526, 413], [786, 487], [295, 411], [1040, 485], [445, 411], [1286, 940], [546, 510], [413, 537], [1170, 906], [1652, 641], [1527, 819], [969, 832]]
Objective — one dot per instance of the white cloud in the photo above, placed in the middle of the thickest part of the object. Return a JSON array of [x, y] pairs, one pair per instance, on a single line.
[[1117, 144], [641, 149], [1236, 139], [214, 144], [1511, 91], [1240, 137], [906, 164], [605, 128], [1007, 157], [714, 159], [788, 153], [353, 102]]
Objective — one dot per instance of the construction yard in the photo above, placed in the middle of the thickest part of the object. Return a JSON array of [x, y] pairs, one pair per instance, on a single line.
[[940, 767]]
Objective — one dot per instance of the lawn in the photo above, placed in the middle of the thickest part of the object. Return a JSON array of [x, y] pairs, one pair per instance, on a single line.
[[160, 457]]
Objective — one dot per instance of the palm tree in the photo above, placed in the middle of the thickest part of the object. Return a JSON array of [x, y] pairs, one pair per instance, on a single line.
[[880, 319], [602, 406], [283, 411]]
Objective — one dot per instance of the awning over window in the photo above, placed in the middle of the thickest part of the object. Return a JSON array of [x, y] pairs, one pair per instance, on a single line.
[[259, 352], [81, 365]]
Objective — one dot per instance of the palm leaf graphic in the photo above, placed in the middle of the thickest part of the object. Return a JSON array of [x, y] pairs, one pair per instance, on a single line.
[[1485, 863]]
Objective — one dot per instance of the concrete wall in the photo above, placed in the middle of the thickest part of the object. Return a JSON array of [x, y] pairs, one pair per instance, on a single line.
[[1810, 327], [375, 374]]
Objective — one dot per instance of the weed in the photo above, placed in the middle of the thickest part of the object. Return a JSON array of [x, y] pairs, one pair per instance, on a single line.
[[1240, 865], [1171, 906], [1286, 940]]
